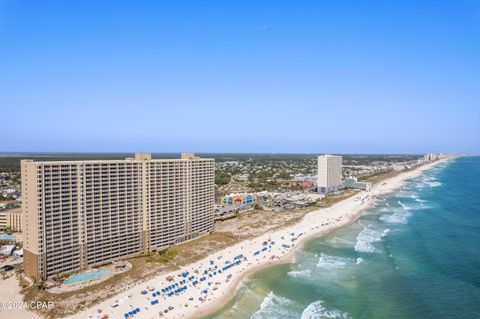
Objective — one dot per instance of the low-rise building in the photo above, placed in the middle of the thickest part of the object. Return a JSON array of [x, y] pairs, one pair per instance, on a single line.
[[11, 220], [352, 182], [240, 199]]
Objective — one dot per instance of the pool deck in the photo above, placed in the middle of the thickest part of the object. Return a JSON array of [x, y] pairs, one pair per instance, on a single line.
[[65, 286], [87, 276]]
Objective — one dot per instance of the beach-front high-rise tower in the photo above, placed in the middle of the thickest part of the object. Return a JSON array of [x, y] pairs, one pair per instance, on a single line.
[[329, 173], [79, 214]]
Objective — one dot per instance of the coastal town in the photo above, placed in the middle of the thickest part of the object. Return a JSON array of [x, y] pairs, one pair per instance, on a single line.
[[167, 237], [240, 159]]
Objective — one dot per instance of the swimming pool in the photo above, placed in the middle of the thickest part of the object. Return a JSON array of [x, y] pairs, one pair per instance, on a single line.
[[87, 276], [7, 237]]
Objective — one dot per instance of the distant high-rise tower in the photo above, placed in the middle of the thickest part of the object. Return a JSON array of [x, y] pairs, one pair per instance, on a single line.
[[329, 173]]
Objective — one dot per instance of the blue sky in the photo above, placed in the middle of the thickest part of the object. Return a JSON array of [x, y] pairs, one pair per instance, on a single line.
[[240, 76]]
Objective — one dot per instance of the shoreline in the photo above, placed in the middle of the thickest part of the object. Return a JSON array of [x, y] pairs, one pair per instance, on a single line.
[[187, 303], [289, 257]]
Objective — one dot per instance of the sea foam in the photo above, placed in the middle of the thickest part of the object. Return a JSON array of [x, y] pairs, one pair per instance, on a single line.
[[400, 216], [299, 273], [366, 238], [395, 218], [340, 242], [274, 306], [316, 310], [431, 181], [434, 184], [332, 262]]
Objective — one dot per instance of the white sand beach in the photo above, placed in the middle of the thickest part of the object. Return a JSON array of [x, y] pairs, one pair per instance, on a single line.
[[207, 284], [11, 300]]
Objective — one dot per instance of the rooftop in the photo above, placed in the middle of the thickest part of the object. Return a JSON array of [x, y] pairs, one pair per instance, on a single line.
[[138, 157]]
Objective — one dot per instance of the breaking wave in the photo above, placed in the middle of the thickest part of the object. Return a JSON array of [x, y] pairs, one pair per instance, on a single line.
[[360, 260], [340, 242], [405, 194], [299, 273], [431, 181], [395, 218], [367, 237], [434, 184], [403, 205], [398, 217], [332, 262], [274, 306], [316, 310]]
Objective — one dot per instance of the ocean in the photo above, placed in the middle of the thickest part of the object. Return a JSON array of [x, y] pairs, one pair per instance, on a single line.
[[415, 254]]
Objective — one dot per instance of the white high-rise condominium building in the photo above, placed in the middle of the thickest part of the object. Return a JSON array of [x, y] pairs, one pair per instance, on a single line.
[[329, 173], [79, 214]]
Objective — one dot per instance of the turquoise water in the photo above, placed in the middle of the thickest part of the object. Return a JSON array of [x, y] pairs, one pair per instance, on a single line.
[[7, 237], [87, 276], [416, 254]]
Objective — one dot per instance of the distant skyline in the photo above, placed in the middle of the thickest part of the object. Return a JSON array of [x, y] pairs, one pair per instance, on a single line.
[[245, 76]]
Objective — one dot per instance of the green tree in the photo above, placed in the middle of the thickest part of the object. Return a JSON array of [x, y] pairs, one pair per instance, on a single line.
[[222, 178]]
